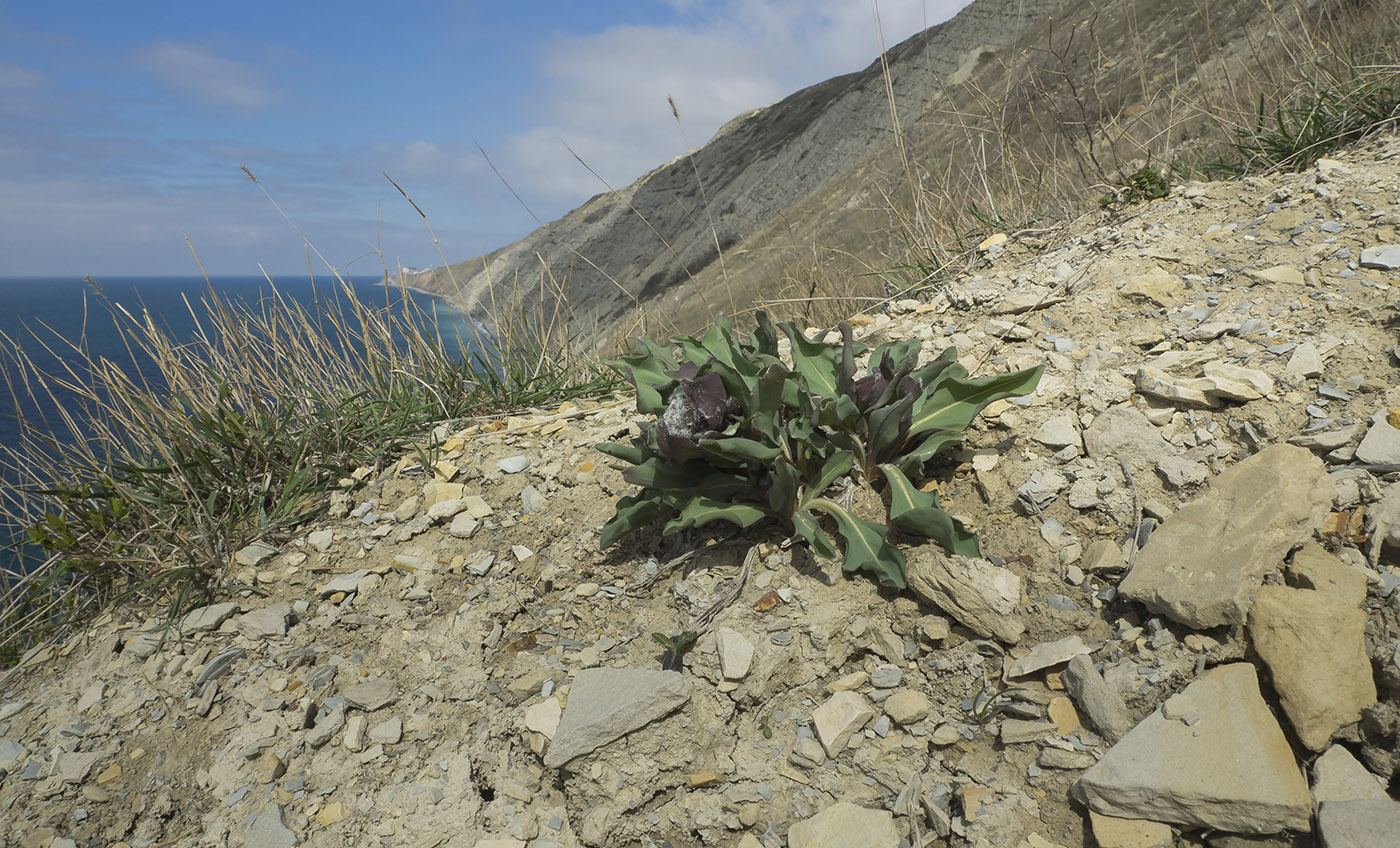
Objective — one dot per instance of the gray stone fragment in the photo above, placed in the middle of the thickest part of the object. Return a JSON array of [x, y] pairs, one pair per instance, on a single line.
[[269, 830], [514, 464], [981, 596], [326, 728], [1385, 257], [1206, 562], [143, 645], [735, 653], [254, 554], [1096, 700], [1305, 361], [1381, 444], [1368, 823], [207, 618], [1047, 654], [1059, 432], [608, 703], [346, 583], [266, 623], [1124, 433], [844, 825], [372, 694], [1212, 757], [1337, 776], [320, 540]]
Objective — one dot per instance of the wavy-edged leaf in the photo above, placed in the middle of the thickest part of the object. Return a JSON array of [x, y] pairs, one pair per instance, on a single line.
[[912, 461], [626, 453], [807, 528], [817, 362], [658, 473], [782, 489], [955, 402], [846, 374], [647, 370], [702, 510], [838, 413], [766, 405], [765, 337], [837, 464], [633, 513], [889, 426], [865, 546], [736, 449], [919, 512]]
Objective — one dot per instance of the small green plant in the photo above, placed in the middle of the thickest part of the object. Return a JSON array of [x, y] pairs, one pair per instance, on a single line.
[[676, 646], [1144, 184], [740, 437]]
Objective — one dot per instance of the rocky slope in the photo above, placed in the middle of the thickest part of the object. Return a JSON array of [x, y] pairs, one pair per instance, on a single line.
[[629, 247], [802, 196], [1186, 631]]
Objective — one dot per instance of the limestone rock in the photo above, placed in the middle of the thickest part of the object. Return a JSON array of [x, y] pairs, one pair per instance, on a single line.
[[907, 706], [981, 596], [269, 830], [1059, 432], [372, 694], [1383, 257], [843, 714], [1381, 444], [1315, 648], [1368, 823], [1282, 274], [1156, 287], [607, 703], [1097, 700], [254, 554], [1203, 566], [1337, 776], [1110, 832], [1305, 361], [1213, 757], [320, 540], [1124, 433], [266, 623], [844, 825], [1312, 567], [207, 618], [1151, 381], [735, 653], [1047, 654]]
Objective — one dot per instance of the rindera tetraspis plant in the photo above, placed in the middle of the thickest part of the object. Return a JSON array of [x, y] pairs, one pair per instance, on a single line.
[[740, 437]]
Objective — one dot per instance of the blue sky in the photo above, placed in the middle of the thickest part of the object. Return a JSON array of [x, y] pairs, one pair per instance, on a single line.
[[123, 125]]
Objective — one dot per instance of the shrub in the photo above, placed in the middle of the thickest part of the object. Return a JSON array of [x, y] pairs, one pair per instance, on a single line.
[[740, 437]]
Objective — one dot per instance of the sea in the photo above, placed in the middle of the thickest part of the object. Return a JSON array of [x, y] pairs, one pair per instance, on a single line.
[[45, 316]]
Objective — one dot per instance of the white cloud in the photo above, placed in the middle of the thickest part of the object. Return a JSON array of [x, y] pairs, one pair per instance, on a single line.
[[605, 93], [207, 78]]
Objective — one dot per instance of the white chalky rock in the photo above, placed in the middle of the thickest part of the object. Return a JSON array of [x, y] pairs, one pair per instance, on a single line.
[[842, 715], [735, 653]]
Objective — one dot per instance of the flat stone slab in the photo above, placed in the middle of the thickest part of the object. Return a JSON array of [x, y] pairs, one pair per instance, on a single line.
[[266, 623], [1206, 562], [1384, 257], [207, 618], [1369, 823], [372, 694], [845, 825], [608, 703], [269, 830], [1213, 756], [1315, 647]]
